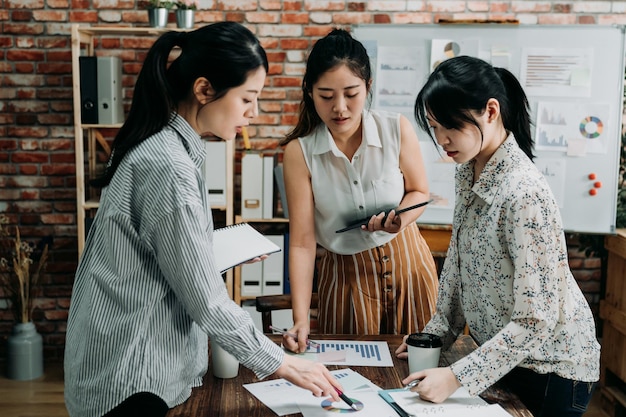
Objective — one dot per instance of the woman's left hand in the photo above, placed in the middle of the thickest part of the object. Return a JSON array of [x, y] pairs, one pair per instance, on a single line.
[[401, 352], [389, 223]]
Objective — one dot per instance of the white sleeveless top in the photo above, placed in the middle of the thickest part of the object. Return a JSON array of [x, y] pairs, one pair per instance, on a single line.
[[345, 190]]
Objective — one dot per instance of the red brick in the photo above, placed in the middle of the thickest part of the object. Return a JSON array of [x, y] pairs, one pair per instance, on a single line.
[[286, 82], [298, 18], [24, 68], [294, 44], [382, 18], [21, 15], [21, 55]]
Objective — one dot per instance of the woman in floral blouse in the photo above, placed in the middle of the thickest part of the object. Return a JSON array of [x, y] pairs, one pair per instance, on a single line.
[[506, 273]]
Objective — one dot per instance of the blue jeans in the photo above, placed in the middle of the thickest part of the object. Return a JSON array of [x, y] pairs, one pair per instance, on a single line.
[[549, 395]]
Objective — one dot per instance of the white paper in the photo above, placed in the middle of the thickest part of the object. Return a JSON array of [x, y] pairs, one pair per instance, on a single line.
[[348, 353], [459, 400], [368, 403], [562, 72], [239, 243], [283, 397]]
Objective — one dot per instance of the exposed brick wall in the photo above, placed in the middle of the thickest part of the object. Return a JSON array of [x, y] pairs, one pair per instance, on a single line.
[[36, 117]]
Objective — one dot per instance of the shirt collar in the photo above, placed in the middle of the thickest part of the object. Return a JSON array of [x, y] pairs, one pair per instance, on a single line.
[[324, 140], [494, 172], [191, 139]]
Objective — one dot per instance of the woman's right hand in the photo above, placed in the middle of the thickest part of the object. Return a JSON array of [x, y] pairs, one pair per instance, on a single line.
[[309, 375], [298, 344]]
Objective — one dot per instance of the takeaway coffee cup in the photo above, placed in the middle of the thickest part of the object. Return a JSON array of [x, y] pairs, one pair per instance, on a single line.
[[224, 364], [423, 350]]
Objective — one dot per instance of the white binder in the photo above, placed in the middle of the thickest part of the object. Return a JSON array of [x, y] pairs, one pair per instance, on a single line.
[[251, 279], [215, 172], [110, 106], [251, 186], [268, 186], [273, 275]]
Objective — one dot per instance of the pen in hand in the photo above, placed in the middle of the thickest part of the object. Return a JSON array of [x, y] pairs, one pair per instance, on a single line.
[[412, 384], [346, 400], [284, 331]]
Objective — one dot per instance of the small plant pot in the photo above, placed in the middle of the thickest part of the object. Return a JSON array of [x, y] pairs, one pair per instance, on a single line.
[[185, 18], [158, 17]]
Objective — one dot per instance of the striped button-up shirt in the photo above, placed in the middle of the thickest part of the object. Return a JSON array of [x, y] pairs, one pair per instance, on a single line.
[[147, 292]]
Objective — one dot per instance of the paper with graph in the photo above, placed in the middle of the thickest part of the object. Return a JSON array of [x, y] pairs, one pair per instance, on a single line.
[[348, 353]]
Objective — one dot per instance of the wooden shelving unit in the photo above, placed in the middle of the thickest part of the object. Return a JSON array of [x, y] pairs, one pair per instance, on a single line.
[[88, 139], [237, 297]]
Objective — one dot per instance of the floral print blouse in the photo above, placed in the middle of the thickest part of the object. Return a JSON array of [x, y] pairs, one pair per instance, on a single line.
[[507, 276]]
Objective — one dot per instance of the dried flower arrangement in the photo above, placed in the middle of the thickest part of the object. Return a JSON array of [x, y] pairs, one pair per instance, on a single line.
[[16, 280]]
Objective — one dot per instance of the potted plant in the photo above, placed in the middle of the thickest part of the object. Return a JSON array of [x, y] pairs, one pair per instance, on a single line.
[[185, 13], [158, 12], [19, 284]]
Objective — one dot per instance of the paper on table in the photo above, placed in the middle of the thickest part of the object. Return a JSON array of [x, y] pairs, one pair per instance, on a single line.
[[349, 353], [282, 396], [239, 243], [411, 403], [368, 403]]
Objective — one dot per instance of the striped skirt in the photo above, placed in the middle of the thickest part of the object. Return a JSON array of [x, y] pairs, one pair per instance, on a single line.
[[390, 289]]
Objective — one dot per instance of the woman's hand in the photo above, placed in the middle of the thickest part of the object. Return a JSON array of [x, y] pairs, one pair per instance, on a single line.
[[389, 223], [297, 344], [257, 259], [309, 375], [401, 352], [436, 384]]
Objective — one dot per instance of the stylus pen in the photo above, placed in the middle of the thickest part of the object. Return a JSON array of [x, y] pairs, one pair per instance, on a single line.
[[412, 384], [284, 331], [345, 399]]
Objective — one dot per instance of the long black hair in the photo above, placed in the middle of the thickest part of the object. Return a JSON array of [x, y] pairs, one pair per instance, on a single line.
[[463, 84], [224, 53], [338, 47]]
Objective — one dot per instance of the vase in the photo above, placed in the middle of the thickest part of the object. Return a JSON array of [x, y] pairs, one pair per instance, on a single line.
[[185, 18], [158, 17], [24, 353]]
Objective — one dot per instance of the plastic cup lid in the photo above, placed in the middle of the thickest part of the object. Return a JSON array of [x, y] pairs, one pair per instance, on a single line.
[[425, 340]]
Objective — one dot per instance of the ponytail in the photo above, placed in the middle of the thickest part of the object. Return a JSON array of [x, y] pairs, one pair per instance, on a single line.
[[516, 115]]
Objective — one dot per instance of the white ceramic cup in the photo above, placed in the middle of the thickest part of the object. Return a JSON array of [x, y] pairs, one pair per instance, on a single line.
[[224, 364], [424, 350]]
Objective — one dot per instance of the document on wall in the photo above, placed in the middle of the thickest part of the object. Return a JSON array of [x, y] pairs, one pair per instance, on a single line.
[[348, 353], [239, 243]]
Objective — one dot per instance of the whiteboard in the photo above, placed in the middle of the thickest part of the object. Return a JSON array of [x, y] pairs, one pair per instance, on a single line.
[[573, 77]]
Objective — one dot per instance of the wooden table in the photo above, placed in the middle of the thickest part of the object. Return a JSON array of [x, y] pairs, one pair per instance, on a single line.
[[228, 398]]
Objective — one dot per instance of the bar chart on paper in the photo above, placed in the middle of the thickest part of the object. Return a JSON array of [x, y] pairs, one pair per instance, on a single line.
[[350, 353]]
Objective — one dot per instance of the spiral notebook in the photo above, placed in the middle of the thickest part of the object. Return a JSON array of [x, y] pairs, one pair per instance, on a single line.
[[239, 243]]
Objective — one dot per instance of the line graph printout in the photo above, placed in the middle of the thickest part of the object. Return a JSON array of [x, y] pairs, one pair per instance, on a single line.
[[349, 353]]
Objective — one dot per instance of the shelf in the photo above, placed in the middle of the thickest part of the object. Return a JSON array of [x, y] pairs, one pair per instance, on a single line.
[[99, 126], [239, 219]]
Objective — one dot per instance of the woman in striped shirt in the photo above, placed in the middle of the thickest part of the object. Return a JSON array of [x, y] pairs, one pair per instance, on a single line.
[[147, 291]]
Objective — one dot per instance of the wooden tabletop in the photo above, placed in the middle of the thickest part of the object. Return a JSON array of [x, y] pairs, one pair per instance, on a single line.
[[228, 398]]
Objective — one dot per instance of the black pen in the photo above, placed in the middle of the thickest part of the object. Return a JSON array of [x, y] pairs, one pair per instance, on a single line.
[[284, 331], [345, 399]]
